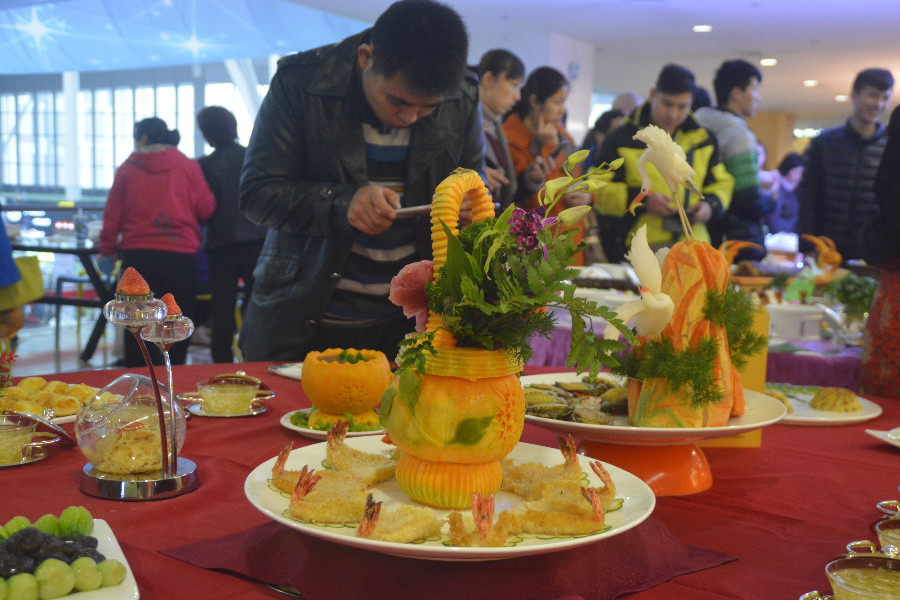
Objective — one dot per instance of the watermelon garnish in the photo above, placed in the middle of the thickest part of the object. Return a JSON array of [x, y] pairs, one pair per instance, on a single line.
[[171, 305], [132, 284]]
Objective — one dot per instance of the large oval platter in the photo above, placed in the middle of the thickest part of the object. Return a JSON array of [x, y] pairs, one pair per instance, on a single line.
[[638, 502], [761, 410]]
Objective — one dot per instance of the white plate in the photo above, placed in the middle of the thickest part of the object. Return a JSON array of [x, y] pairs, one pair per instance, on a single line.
[[638, 503], [291, 370], [317, 434], [891, 437], [761, 410], [799, 397], [109, 547]]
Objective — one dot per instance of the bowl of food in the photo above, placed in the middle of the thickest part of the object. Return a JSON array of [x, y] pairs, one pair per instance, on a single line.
[[123, 436], [864, 576], [19, 438], [228, 394]]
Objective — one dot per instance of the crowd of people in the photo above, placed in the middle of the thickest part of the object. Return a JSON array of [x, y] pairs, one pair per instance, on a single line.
[[305, 215]]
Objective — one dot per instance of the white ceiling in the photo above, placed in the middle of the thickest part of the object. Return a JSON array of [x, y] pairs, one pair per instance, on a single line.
[[826, 40]]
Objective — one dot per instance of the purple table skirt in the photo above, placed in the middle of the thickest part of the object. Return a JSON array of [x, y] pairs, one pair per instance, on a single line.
[[821, 363]]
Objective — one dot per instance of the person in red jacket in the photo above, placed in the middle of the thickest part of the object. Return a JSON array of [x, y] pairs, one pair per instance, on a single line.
[[152, 222]]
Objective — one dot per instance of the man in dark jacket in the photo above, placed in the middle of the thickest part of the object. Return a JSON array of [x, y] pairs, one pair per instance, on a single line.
[[836, 196], [232, 242], [346, 135], [737, 95]]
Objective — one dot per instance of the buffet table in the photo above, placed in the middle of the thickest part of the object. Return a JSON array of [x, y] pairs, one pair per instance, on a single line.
[[782, 510]]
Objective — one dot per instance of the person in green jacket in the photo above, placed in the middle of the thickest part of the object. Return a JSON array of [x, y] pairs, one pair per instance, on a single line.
[[669, 108]]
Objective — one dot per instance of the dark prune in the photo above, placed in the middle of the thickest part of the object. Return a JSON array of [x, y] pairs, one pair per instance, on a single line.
[[11, 564], [91, 553], [25, 541], [87, 541]]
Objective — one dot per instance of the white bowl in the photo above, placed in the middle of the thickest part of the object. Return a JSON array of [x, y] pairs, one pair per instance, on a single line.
[[795, 321]]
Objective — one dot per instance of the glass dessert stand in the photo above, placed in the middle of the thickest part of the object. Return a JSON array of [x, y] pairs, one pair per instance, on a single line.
[[119, 440], [667, 459]]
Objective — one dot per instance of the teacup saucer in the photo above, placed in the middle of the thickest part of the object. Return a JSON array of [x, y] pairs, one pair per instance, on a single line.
[[38, 453]]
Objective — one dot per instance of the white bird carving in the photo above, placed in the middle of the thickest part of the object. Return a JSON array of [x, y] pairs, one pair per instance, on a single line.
[[654, 310], [671, 162]]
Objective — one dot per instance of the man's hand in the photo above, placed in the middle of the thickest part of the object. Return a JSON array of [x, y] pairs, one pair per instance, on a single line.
[[495, 179], [659, 205], [700, 212], [372, 209]]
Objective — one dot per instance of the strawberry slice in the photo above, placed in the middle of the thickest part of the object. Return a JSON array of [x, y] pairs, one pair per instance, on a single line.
[[132, 284], [171, 305]]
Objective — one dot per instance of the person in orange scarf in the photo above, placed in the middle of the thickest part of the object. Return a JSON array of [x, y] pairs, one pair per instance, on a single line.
[[538, 143]]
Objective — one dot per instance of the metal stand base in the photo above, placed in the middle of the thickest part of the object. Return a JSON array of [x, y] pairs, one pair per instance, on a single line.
[[144, 486]]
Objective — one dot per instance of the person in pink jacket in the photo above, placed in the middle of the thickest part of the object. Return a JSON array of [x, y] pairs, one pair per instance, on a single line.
[[152, 222]]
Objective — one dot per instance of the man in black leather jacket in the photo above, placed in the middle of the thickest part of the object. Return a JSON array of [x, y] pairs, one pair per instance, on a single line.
[[836, 195], [307, 177]]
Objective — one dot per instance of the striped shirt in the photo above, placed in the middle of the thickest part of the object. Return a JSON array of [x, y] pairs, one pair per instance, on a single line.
[[361, 295]]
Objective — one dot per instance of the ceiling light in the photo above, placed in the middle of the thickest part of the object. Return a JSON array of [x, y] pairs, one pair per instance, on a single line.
[[810, 83], [701, 28], [768, 62], [841, 98]]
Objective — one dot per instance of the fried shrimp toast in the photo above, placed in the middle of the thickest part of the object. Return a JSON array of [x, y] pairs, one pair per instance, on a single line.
[[329, 497], [528, 479], [404, 525], [371, 468]]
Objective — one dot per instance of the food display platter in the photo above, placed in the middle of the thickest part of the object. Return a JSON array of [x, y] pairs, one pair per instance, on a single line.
[[290, 370], [799, 397], [318, 434], [638, 504], [109, 547], [761, 411]]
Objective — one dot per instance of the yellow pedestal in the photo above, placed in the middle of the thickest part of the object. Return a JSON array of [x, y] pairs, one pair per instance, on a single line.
[[753, 377]]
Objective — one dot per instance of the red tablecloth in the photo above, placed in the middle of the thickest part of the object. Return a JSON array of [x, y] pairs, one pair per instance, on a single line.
[[784, 510]]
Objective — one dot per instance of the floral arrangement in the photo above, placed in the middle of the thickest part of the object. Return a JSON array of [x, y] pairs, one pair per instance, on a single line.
[[7, 359], [503, 274]]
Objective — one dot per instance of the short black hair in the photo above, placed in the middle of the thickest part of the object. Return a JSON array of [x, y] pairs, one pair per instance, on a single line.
[[217, 125], [880, 79], [701, 98], [675, 79], [790, 161], [733, 74], [543, 82], [426, 42], [157, 131], [501, 62]]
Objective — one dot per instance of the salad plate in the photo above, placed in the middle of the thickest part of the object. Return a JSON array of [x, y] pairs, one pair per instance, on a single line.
[[799, 397], [638, 502], [761, 410], [318, 434]]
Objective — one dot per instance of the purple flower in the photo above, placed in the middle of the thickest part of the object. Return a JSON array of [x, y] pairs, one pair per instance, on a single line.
[[527, 225]]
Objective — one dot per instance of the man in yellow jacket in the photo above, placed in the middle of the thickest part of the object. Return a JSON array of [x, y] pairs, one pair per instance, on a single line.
[[668, 107]]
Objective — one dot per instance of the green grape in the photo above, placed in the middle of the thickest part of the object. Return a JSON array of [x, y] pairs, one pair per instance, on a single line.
[[87, 576], [113, 572], [55, 579], [3, 534], [48, 524], [15, 524], [76, 520], [3, 589], [22, 586]]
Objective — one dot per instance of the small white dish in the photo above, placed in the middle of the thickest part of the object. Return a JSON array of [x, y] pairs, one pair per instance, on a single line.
[[891, 437], [290, 370], [318, 434]]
